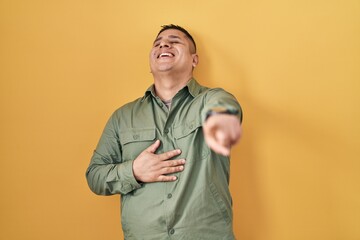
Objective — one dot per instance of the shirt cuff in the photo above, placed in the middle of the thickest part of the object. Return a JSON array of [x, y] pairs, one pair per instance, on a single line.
[[125, 181], [225, 108]]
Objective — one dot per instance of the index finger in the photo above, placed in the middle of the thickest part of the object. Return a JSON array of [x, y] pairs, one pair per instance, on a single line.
[[217, 147], [152, 148]]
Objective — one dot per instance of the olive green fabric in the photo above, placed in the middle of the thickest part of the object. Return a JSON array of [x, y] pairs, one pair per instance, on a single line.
[[198, 204]]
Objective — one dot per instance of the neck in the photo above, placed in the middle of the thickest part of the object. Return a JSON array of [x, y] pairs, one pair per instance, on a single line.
[[167, 86]]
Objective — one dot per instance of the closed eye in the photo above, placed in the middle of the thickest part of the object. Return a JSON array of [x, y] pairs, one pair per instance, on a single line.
[[172, 39]]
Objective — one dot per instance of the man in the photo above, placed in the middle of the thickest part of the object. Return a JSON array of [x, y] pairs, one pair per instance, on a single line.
[[167, 152]]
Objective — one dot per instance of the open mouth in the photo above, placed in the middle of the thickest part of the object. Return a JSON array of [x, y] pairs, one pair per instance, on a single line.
[[166, 55]]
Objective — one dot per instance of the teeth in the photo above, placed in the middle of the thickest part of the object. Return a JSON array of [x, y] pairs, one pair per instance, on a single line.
[[166, 55]]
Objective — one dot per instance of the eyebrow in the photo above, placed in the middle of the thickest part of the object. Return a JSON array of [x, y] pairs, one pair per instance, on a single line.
[[170, 36]]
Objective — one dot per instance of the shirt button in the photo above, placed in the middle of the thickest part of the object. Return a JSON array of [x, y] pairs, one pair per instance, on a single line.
[[136, 137], [169, 195], [166, 131], [172, 231]]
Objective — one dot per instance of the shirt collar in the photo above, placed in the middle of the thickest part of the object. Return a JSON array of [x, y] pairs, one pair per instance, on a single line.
[[192, 86]]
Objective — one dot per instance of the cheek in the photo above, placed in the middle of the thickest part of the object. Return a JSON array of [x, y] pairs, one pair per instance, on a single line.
[[152, 58], [152, 54]]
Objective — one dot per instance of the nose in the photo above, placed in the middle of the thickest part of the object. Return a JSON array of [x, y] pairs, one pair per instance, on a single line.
[[164, 44]]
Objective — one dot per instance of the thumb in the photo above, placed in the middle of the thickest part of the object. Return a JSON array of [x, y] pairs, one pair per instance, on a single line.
[[152, 148]]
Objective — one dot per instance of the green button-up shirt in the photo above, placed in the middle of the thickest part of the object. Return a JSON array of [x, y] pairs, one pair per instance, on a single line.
[[195, 206]]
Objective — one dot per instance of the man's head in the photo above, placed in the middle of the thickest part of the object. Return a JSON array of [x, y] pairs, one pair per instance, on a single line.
[[173, 51], [181, 29]]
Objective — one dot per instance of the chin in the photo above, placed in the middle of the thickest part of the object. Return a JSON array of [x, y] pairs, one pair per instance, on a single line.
[[162, 69]]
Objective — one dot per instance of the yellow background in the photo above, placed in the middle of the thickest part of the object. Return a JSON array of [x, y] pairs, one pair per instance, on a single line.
[[294, 66]]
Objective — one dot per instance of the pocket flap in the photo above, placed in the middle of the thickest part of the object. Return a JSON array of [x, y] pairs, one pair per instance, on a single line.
[[137, 135], [186, 128]]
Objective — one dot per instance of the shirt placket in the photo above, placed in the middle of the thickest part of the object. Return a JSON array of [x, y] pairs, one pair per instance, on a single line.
[[165, 126], [165, 135]]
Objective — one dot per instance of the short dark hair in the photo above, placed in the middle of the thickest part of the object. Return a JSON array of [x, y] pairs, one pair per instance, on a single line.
[[177, 27]]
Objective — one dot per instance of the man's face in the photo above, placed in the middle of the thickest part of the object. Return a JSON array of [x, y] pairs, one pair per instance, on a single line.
[[172, 51]]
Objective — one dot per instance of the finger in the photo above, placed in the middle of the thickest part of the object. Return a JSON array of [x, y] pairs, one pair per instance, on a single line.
[[163, 178], [235, 132], [216, 147], [238, 133], [168, 170], [235, 137], [167, 155], [173, 163], [164, 167], [153, 147]]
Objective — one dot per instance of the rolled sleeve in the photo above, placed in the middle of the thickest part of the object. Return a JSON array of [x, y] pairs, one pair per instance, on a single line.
[[218, 97], [122, 180]]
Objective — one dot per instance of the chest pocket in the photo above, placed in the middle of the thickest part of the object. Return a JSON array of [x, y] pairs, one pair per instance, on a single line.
[[135, 140], [189, 137]]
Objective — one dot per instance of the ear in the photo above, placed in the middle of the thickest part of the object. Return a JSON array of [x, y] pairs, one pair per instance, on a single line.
[[195, 60]]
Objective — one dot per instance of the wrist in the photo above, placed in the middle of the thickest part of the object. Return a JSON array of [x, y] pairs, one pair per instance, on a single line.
[[221, 110]]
